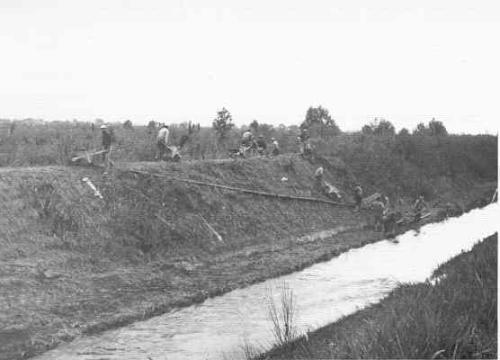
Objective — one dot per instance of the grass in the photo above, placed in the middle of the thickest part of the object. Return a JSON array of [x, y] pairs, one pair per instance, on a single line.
[[54, 143], [283, 316], [456, 317]]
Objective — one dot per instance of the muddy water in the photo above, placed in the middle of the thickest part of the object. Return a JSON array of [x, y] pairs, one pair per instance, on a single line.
[[323, 292]]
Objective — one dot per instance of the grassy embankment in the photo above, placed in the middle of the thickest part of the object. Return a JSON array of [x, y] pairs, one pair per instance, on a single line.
[[71, 263], [455, 318]]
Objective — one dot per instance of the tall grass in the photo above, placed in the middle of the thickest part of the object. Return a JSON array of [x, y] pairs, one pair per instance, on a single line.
[[455, 317], [282, 315], [48, 143]]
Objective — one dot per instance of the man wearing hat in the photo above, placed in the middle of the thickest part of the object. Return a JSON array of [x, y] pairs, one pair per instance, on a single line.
[[107, 139], [162, 141]]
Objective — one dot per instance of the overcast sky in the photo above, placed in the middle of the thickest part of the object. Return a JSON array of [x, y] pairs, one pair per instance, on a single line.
[[407, 61]]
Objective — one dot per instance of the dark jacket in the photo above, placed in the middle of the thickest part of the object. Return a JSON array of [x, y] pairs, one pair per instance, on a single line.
[[107, 139]]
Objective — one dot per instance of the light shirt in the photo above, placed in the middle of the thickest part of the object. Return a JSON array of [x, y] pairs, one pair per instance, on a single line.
[[163, 135], [247, 135]]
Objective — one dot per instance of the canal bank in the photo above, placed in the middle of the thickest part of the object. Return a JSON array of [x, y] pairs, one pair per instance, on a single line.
[[74, 264], [123, 297], [326, 291], [454, 315]]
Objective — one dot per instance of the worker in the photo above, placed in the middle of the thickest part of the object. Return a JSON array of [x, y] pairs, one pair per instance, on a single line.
[[379, 209], [304, 135], [318, 178], [303, 138], [386, 202], [358, 197], [319, 172], [107, 140], [247, 138], [390, 220], [418, 207], [275, 147], [331, 191], [261, 145], [162, 141]]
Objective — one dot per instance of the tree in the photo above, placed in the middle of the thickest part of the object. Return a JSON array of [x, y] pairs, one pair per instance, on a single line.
[[379, 127], [128, 125], [223, 123], [404, 132], [367, 130], [151, 126], [319, 116], [254, 125], [437, 128], [421, 129], [193, 128], [384, 127]]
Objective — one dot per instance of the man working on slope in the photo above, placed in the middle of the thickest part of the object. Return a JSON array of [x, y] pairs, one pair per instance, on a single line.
[[418, 207], [358, 197], [162, 141], [318, 178], [275, 147], [303, 138], [379, 209]]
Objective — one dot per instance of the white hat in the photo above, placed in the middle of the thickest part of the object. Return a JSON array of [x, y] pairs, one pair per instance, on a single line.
[[104, 127]]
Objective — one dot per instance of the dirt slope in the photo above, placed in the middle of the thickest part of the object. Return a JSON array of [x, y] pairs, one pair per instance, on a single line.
[[73, 263]]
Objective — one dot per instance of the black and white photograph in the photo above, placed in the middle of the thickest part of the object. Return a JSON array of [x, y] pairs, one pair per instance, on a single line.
[[249, 180]]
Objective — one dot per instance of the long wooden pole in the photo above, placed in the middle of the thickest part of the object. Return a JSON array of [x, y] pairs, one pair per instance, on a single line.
[[247, 191]]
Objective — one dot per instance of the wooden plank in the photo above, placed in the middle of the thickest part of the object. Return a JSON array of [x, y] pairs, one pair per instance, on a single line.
[[369, 199], [87, 155], [212, 230], [247, 191], [400, 221], [425, 216]]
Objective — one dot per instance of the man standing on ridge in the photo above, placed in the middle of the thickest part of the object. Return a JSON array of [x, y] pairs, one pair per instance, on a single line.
[[107, 140], [304, 141], [358, 197], [261, 145], [162, 141], [247, 138]]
